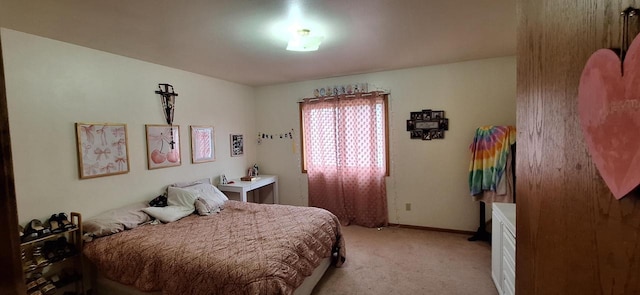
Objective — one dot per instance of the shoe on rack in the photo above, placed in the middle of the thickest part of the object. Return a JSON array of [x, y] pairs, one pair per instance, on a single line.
[[27, 234], [32, 285], [55, 225], [35, 230], [48, 289], [64, 220], [28, 266], [66, 249], [41, 261], [49, 251], [41, 282]]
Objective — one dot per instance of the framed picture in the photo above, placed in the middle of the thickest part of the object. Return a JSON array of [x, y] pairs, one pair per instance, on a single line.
[[437, 115], [416, 134], [435, 134], [411, 125], [237, 145], [416, 115], [202, 144], [427, 124], [426, 115], [444, 124], [102, 149], [163, 146]]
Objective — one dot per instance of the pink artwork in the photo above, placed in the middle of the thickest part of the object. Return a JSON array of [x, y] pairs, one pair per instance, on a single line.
[[163, 146], [609, 109], [202, 144], [102, 149]]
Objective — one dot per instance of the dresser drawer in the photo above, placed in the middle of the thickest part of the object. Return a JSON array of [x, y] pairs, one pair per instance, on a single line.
[[509, 288], [509, 246], [508, 271]]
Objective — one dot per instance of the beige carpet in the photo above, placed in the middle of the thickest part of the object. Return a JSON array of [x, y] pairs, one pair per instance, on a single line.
[[409, 261]]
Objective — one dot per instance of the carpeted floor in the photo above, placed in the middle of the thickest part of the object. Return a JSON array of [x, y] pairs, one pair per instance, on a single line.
[[409, 261]]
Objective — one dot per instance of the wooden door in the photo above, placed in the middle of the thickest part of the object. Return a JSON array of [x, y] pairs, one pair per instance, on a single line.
[[573, 237]]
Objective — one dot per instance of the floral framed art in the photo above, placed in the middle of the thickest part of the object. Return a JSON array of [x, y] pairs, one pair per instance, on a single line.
[[237, 145], [202, 144], [163, 146], [102, 149]]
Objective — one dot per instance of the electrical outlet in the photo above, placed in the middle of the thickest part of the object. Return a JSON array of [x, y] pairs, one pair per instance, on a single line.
[[407, 206]]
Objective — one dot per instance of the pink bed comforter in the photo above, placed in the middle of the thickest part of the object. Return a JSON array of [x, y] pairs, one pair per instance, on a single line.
[[246, 249]]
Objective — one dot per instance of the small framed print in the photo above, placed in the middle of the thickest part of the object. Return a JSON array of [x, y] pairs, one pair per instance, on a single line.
[[436, 134], [237, 145], [426, 115], [427, 124], [102, 149], [411, 125], [437, 115], [163, 146], [416, 115], [416, 134], [444, 123], [202, 144]]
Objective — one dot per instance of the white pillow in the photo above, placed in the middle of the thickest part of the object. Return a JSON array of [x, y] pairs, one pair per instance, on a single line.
[[169, 213], [206, 208], [190, 183], [116, 220], [181, 197], [209, 194]]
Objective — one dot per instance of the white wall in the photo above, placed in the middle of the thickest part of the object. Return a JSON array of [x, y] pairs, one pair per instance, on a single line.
[[51, 85], [431, 175]]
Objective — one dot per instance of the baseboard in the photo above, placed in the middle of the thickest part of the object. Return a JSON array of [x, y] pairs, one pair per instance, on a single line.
[[446, 230]]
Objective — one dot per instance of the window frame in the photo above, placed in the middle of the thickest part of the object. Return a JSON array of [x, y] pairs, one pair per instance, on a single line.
[[385, 98]]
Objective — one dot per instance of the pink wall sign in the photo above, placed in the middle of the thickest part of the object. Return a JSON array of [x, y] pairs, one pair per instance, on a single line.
[[609, 109]]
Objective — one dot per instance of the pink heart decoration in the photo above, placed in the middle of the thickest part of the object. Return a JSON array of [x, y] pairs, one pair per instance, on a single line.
[[609, 109]]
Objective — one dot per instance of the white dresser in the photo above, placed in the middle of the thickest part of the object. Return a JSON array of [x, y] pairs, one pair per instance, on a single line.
[[503, 247]]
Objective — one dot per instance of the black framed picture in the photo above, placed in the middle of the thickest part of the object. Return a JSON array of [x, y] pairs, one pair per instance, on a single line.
[[434, 134], [444, 123], [416, 134], [426, 115], [411, 125], [427, 124], [416, 115]]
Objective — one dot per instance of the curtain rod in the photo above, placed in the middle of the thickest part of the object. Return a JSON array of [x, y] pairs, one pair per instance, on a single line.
[[344, 96]]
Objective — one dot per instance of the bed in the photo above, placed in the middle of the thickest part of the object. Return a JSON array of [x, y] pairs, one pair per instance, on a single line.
[[247, 248]]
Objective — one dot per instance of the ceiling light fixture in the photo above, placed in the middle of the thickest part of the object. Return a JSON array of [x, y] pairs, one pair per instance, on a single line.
[[302, 40]]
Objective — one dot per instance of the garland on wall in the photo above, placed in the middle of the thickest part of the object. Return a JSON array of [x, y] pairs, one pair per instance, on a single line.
[[287, 135]]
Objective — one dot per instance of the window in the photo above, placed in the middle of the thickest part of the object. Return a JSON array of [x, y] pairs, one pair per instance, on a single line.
[[331, 128]]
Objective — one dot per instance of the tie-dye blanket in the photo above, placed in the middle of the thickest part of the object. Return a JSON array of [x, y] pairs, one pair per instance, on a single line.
[[489, 153]]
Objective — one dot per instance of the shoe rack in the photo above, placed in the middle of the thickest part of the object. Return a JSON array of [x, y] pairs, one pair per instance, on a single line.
[[53, 264]]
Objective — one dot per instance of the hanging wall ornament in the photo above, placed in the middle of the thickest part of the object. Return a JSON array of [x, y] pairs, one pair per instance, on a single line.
[[609, 110], [168, 97]]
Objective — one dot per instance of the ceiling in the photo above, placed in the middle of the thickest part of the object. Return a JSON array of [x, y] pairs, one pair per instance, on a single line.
[[244, 41]]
